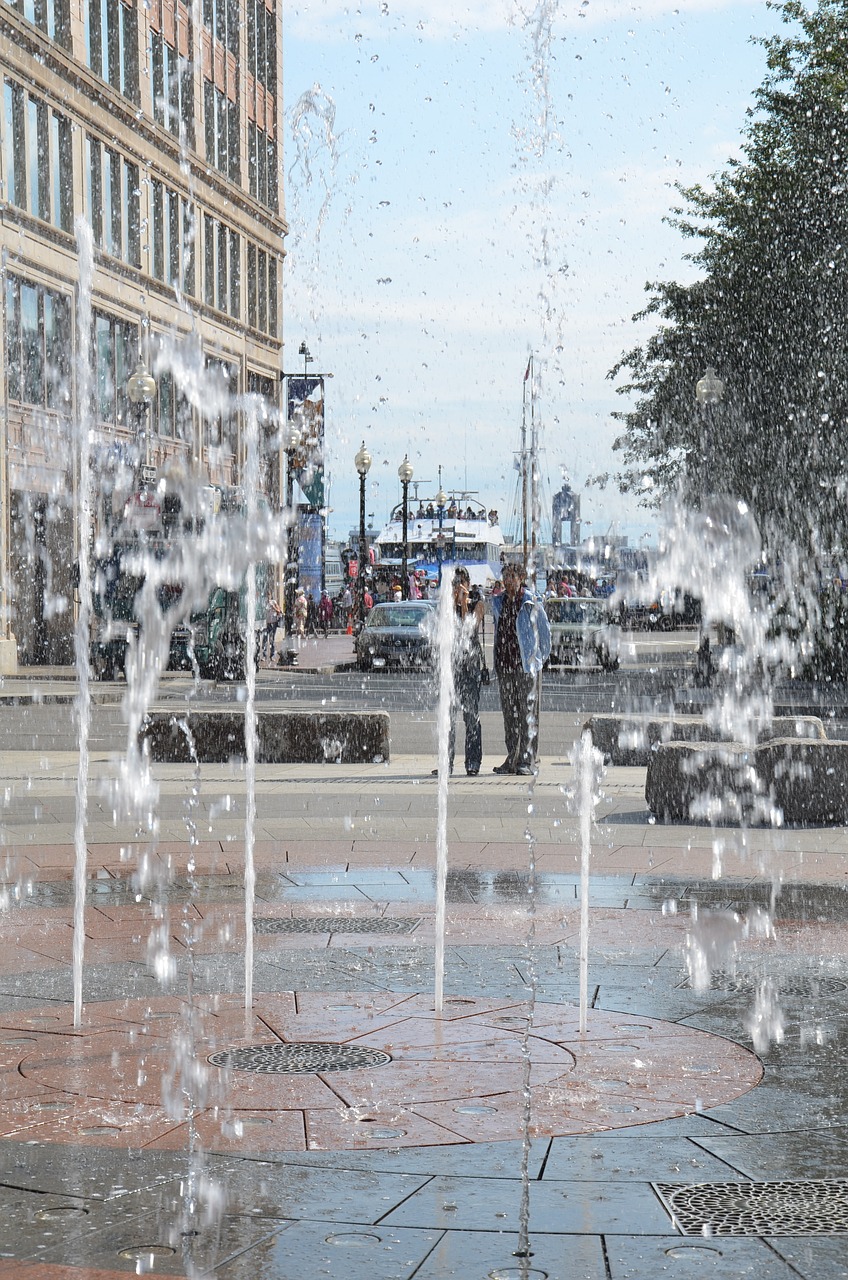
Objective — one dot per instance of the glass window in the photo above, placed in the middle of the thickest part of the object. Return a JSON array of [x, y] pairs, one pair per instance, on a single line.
[[38, 158], [62, 166], [222, 426], [262, 298], [173, 87], [16, 149], [189, 240], [113, 199], [251, 285], [221, 295], [94, 186], [111, 43], [208, 260], [115, 352], [50, 16], [272, 296], [235, 275], [173, 238], [38, 344], [157, 210], [132, 215]]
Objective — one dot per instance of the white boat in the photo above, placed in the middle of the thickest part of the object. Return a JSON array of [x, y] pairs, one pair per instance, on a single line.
[[469, 536]]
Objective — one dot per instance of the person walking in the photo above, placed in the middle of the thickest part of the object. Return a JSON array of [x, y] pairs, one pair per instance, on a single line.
[[522, 645], [311, 615], [300, 609], [325, 613], [468, 663], [273, 616]]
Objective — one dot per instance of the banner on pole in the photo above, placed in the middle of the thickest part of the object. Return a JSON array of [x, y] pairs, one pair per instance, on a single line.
[[306, 408]]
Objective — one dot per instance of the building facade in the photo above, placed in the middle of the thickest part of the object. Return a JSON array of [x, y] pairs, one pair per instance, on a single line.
[[158, 124]]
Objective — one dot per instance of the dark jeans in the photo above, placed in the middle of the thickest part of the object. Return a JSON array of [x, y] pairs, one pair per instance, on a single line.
[[521, 729], [467, 699]]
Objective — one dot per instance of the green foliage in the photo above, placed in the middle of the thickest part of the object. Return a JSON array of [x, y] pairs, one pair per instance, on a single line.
[[770, 310]]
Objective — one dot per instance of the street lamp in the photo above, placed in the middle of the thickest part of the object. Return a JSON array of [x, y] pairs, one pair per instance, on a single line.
[[441, 501], [709, 393], [141, 389], [405, 473], [362, 462], [291, 441]]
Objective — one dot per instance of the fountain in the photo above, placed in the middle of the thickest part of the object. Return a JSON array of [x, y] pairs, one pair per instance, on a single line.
[[259, 1093]]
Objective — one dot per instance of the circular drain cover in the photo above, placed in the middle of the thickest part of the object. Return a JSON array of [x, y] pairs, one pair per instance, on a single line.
[[301, 1058]]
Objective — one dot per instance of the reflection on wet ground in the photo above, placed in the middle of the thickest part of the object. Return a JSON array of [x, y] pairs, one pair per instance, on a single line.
[[788, 902]]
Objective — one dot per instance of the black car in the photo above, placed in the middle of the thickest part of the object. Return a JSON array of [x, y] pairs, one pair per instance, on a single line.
[[397, 634]]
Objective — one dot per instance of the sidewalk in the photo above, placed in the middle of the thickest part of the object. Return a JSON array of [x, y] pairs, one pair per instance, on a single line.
[[692, 1131]]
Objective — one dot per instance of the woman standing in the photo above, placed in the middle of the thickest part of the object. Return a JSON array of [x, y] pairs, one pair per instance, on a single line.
[[468, 664]]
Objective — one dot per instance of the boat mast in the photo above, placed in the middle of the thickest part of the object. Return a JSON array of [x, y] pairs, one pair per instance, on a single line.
[[525, 551], [534, 475]]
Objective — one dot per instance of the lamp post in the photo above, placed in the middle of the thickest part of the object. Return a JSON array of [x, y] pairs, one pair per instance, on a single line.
[[709, 393], [303, 429], [291, 440], [441, 500], [362, 461], [141, 389], [405, 473]]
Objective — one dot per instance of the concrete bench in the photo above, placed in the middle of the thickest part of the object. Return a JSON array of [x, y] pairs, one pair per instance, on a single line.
[[630, 740], [784, 780], [283, 737]]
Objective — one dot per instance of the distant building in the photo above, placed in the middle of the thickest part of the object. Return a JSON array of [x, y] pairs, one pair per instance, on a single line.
[[165, 135]]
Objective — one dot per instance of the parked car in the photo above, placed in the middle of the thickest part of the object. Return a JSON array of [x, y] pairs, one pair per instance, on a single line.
[[397, 634], [582, 632]]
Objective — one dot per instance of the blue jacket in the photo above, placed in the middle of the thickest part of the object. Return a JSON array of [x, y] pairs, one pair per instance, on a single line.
[[534, 630]]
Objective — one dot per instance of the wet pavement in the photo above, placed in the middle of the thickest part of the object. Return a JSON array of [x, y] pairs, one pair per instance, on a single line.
[[697, 1127]]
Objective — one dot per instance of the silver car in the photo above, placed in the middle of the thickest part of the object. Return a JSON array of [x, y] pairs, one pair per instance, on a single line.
[[582, 632]]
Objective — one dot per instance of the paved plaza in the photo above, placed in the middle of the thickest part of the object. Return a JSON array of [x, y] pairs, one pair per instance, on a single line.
[[340, 1128]]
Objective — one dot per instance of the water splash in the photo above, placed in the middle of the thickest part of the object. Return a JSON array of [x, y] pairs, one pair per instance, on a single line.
[[587, 763], [250, 722], [85, 246], [312, 122], [445, 644]]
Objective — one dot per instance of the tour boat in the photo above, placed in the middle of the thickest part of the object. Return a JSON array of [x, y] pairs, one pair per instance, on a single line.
[[463, 534]]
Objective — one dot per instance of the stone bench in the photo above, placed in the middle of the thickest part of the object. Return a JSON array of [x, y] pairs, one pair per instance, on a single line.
[[283, 737], [631, 740], [783, 780]]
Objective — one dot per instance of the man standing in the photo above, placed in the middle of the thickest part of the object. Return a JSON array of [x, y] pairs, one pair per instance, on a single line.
[[522, 644]]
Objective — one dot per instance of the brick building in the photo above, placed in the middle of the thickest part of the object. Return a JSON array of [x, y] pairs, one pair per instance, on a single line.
[[159, 123]]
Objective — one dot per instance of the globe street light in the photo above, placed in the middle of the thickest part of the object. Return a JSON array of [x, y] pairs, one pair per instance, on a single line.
[[362, 462], [141, 389], [405, 473]]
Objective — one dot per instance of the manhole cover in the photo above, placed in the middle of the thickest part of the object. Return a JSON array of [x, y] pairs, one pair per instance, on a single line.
[[299, 1059], [800, 986], [816, 1207], [335, 924]]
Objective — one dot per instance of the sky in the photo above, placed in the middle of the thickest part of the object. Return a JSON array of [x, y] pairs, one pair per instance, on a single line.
[[470, 183]]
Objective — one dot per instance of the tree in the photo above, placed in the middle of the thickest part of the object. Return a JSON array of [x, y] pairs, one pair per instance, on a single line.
[[769, 311]]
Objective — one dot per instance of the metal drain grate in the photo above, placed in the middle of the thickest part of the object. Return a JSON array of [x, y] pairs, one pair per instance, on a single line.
[[816, 1207], [335, 924], [801, 986], [308, 1056]]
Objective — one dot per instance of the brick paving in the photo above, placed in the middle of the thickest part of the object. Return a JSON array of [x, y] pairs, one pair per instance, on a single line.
[[414, 1168]]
